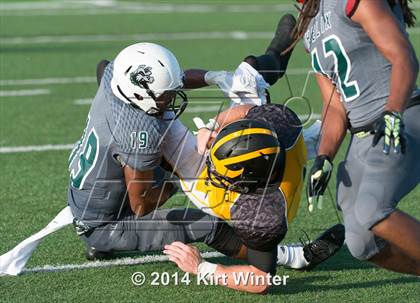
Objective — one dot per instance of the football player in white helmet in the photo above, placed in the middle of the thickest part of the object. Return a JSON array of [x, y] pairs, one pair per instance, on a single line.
[[153, 83]]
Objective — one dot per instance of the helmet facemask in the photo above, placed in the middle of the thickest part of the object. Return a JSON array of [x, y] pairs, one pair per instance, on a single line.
[[220, 181], [241, 184], [166, 102]]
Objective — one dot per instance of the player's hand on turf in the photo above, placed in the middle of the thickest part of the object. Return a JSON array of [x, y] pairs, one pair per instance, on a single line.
[[187, 257], [391, 127], [318, 180], [204, 138]]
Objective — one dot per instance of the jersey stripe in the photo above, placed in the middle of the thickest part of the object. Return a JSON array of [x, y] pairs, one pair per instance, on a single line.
[[244, 132]]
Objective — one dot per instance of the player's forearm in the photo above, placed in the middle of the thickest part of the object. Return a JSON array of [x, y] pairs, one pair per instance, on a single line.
[[333, 131], [194, 78], [232, 114], [403, 79], [242, 277], [334, 118]]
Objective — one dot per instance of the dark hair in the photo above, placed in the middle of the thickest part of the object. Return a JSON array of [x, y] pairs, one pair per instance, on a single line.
[[310, 9], [409, 17]]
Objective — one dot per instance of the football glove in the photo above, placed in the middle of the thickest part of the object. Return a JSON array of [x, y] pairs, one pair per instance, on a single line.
[[318, 180], [391, 126], [244, 86]]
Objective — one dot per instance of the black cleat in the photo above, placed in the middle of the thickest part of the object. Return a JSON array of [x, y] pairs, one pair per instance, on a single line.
[[100, 68], [92, 254], [282, 37], [324, 247]]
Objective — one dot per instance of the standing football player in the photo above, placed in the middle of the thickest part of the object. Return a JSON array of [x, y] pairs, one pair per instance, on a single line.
[[366, 69]]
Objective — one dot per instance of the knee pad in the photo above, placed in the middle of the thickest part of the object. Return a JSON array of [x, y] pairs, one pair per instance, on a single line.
[[363, 246], [268, 66]]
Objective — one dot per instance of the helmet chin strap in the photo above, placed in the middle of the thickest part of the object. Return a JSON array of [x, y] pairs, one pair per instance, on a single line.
[[176, 111], [154, 111], [242, 187]]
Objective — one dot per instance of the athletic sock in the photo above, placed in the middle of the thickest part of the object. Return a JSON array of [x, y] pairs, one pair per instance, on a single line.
[[291, 256]]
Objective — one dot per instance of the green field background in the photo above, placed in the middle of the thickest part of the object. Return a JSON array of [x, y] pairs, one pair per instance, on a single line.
[[33, 185]]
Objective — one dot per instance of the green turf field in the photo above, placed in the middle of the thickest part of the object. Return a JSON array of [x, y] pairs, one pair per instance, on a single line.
[[58, 41]]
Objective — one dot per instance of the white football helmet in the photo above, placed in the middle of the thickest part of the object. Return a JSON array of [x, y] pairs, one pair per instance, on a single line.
[[143, 72]]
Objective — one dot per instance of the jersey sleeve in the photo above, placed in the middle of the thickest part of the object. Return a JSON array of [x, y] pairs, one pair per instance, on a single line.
[[137, 137]]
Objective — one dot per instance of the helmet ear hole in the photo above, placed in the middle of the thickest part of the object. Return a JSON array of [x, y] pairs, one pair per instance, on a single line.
[[138, 97]]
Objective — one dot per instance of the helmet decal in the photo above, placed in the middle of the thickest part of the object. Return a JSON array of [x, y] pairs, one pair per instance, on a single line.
[[143, 74]]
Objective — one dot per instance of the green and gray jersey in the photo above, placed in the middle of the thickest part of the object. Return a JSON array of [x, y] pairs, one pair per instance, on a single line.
[[341, 50], [116, 134]]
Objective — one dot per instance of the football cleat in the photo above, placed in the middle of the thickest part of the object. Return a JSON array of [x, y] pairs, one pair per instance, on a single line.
[[283, 36], [324, 247], [92, 254]]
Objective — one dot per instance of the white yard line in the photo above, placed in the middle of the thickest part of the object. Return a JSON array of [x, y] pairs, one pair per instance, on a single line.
[[34, 148], [24, 92], [126, 7], [144, 6], [233, 35], [86, 79], [86, 101], [106, 7], [50, 147], [312, 117], [414, 31], [117, 262], [47, 81]]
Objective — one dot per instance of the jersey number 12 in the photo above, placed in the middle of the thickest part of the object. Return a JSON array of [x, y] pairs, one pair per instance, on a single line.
[[332, 46]]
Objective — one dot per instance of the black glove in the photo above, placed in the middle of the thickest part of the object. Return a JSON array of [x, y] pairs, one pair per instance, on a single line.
[[318, 180], [391, 126]]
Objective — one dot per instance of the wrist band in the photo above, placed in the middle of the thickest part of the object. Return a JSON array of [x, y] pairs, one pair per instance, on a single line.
[[212, 125], [206, 269]]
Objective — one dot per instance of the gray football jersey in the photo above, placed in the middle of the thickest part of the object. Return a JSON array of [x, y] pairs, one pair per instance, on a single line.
[[116, 134], [341, 50]]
